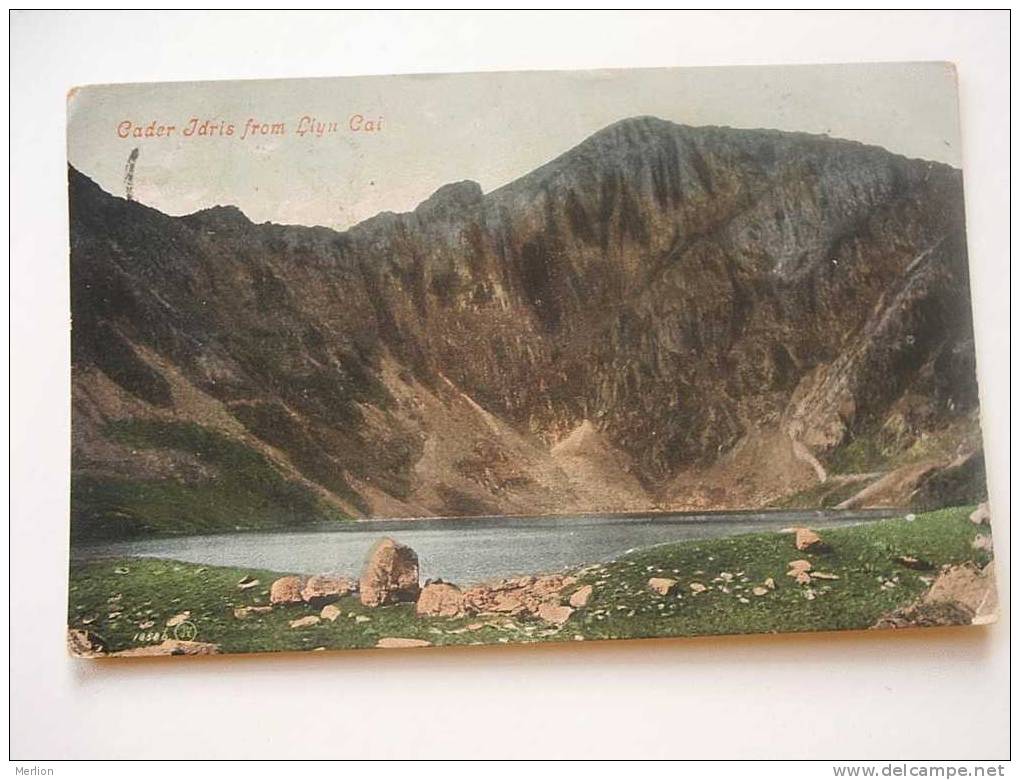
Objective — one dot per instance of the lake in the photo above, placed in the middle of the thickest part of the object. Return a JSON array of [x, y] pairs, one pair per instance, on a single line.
[[465, 550]]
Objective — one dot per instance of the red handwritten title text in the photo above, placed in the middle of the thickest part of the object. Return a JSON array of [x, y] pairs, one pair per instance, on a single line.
[[307, 126]]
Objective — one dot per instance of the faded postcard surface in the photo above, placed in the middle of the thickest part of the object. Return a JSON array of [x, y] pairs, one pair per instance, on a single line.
[[521, 357]]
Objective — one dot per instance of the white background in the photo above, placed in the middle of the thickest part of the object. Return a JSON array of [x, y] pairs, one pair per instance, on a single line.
[[922, 695]]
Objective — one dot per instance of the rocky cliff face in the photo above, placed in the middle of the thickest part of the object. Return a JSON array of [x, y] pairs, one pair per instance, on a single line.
[[664, 316]]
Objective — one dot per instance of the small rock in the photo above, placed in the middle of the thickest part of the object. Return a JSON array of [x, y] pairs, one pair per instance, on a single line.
[[121, 570], [743, 600], [475, 626], [362, 619], [770, 583], [725, 576], [305, 622], [242, 612], [323, 589], [798, 566], [579, 598], [661, 585], [806, 539], [394, 641], [330, 612], [286, 590], [146, 624], [440, 600], [803, 578], [823, 575], [982, 542], [809, 594], [554, 613], [982, 515], [247, 582], [910, 517], [84, 644], [759, 591], [697, 587], [176, 620], [913, 563]]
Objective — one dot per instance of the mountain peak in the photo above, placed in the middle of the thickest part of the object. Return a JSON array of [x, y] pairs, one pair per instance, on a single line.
[[450, 199], [220, 214]]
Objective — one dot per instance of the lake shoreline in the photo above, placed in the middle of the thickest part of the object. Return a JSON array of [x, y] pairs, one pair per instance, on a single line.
[[512, 521], [863, 574], [460, 551]]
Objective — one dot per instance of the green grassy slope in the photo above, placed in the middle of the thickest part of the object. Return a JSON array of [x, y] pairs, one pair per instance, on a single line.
[[245, 491]]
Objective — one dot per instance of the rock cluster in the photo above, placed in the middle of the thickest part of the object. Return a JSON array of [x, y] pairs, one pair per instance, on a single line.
[[800, 571], [317, 590], [529, 595], [391, 576], [324, 589]]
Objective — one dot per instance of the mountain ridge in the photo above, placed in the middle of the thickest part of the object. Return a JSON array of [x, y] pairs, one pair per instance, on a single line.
[[685, 292]]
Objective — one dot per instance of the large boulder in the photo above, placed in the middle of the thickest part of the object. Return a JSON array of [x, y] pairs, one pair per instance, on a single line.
[[286, 590], [324, 589], [390, 575], [440, 599]]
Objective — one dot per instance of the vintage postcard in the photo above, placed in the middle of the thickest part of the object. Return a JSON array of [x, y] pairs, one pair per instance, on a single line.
[[521, 357]]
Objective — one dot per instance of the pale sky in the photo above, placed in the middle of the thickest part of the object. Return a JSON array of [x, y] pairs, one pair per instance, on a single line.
[[489, 127]]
